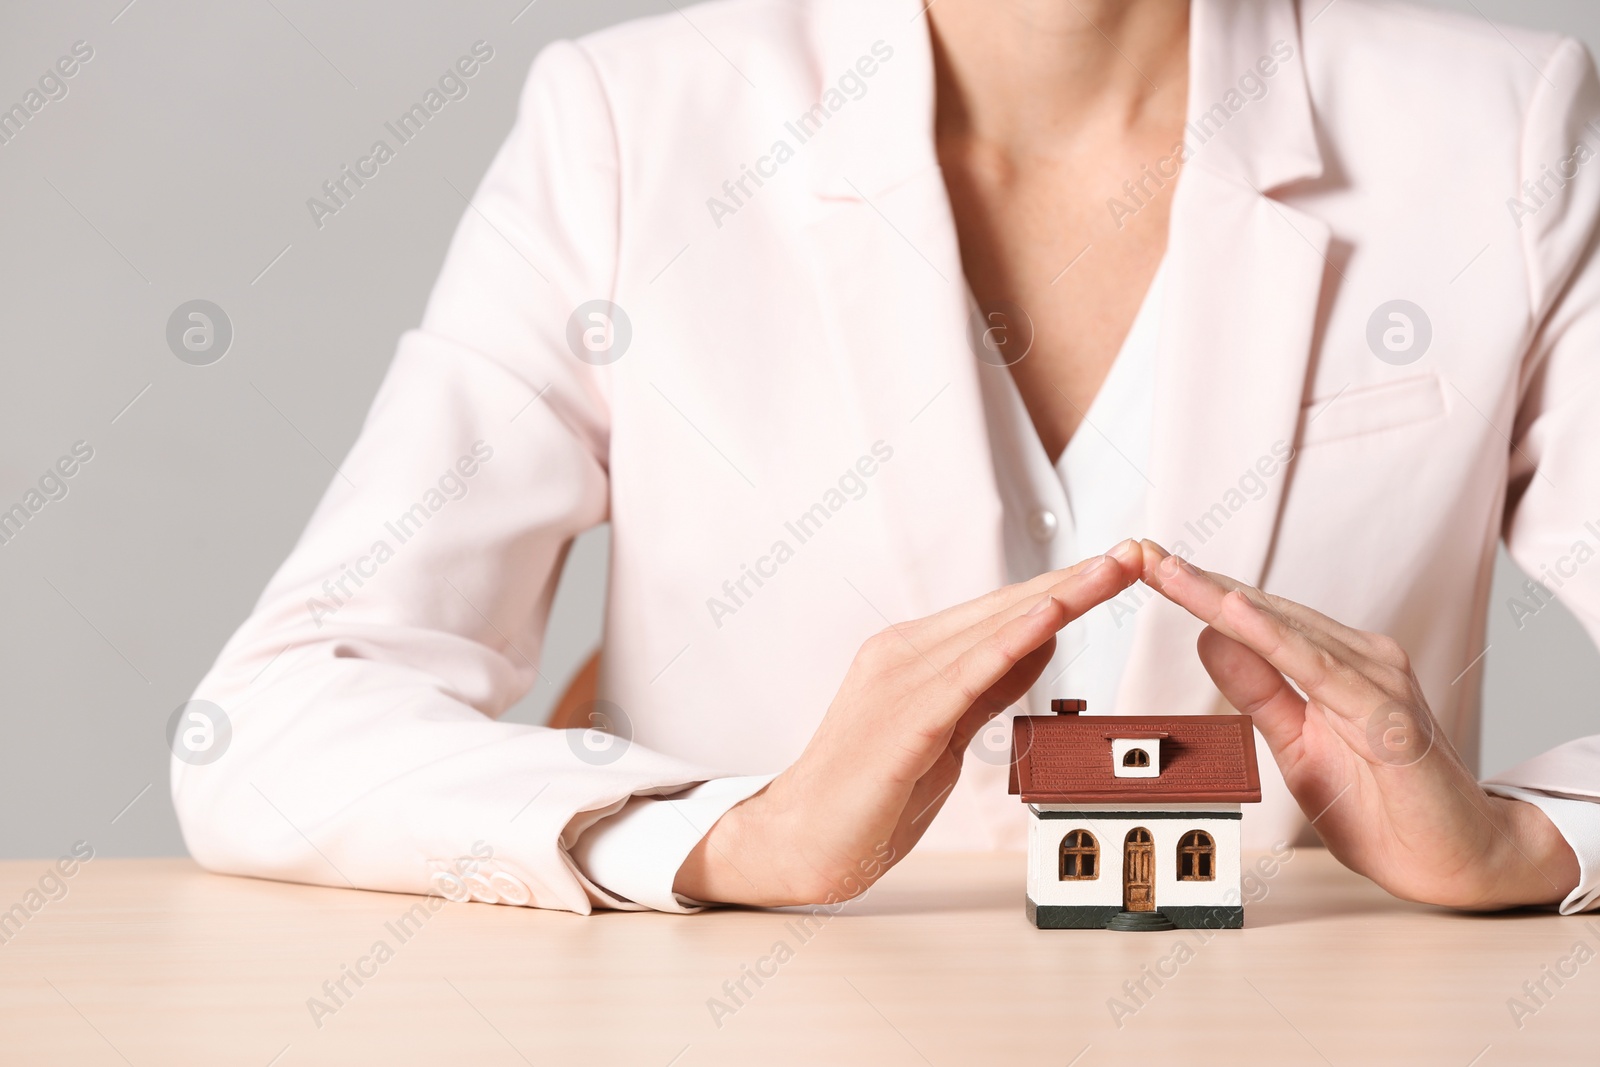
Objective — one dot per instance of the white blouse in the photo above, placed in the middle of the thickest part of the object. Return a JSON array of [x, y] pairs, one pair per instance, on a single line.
[[1084, 504]]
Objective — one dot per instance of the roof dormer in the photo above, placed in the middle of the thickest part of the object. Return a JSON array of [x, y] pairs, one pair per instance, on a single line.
[[1136, 753]]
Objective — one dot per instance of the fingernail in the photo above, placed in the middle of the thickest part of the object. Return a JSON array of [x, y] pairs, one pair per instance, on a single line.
[[1169, 567], [1126, 549], [1097, 563], [1042, 606]]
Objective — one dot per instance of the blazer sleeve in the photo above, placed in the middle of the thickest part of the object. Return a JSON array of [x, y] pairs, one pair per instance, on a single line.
[[1552, 523], [353, 736]]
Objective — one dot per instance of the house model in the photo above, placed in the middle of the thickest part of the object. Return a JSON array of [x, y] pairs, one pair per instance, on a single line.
[[1133, 819]]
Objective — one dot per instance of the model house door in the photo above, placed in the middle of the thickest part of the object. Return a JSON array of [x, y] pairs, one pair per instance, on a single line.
[[1138, 871]]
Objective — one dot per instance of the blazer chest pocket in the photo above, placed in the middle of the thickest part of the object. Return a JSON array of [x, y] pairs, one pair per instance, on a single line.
[[1368, 409]]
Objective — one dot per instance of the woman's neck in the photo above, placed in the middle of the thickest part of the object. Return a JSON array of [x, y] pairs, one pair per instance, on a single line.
[[1019, 75]]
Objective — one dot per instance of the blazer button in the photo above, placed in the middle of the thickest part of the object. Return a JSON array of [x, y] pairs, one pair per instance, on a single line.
[[1042, 524], [511, 890], [480, 888], [450, 887]]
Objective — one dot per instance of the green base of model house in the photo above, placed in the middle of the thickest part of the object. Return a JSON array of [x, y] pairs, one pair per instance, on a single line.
[[1095, 917]]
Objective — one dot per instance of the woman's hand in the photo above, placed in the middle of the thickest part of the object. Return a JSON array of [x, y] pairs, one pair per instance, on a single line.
[[1361, 752], [890, 747]]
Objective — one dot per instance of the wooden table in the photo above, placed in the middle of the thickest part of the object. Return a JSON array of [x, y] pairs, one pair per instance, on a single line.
[[154, 962]]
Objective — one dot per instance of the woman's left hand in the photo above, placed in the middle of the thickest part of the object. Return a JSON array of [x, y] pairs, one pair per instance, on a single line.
[[1361, 752]]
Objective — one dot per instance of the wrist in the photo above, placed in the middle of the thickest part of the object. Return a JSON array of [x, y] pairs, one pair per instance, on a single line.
[[736, 863], [1535, 864], [757, 855], [708, 873]]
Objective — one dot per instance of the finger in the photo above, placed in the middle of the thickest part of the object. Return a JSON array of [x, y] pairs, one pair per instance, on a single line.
[[1323, 668], [934, 787], [1165, 572], [1254, 687], [993, 675], [1000, 696], [926, 799], [952, 620], [1338, 684], [1006, 602], [975, 671], [1096, 581], [1202, 594], [1196, 591]]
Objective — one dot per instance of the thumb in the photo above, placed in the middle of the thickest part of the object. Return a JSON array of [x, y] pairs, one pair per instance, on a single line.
[[1254, 687], [1000, 696]]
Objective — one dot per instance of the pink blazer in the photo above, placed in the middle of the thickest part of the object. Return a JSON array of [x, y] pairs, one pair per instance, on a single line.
[[788, 439]]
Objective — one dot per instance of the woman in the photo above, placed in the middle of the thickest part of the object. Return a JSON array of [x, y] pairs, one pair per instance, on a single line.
[[859, 323]]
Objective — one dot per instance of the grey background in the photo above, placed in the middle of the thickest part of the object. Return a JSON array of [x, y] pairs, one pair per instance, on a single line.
[[177, 168]]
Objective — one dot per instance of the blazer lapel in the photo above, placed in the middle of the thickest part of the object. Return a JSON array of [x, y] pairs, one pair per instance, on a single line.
[[1246, 276], [889, 277], [887, 269]]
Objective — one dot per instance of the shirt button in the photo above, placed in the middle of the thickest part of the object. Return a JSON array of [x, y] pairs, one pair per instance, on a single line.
[[511, 890], [1042, 524], [450, 887], [480, 889]]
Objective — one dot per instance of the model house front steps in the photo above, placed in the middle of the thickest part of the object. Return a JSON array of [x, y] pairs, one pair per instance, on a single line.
[[1140, 920], [1112, 917]]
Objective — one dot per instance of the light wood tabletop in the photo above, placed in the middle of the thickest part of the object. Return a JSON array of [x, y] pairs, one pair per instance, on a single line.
[[154, 962]]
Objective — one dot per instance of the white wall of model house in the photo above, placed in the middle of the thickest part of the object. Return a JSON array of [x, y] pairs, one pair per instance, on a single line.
[[1046, 828]]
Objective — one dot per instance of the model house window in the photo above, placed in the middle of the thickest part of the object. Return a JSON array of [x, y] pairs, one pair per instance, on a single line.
[[1136, 757], [1080, 856], [1197, 857]]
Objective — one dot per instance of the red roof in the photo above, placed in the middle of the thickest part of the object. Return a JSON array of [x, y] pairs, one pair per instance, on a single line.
[[1060, 759]]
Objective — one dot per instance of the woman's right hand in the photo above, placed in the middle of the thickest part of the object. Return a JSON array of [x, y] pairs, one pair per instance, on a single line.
[[890, 747]]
